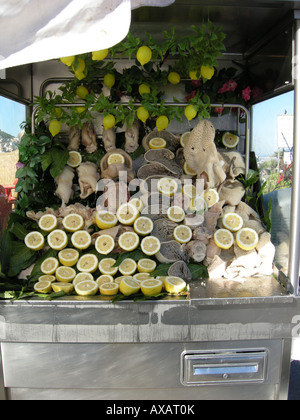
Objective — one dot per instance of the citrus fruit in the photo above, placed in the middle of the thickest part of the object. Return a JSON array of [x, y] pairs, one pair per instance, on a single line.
[[174, 284], [47, 277], [141, 276], [138, 203], [115, 158], [146, 265], [247, 239], [73, 222], [174, 78], [81, 277], [81, 239], [184, 137], [151, 287], [129, 286], [86, 288], [106, 219], [62, 287], [183, 234], [188, 170], [207, 72], [143, 225], [43, 286], [75, 159], [104, 244], [199, 205], [104, 278], [142, 114], [150, 245], [78, 65], [109, 289], [54, 127], [190, 112], [189, 190], [162, 123], [87, 263], [118, 280], [82, 92], [157, 143], [211, 197], [80, 75], [127, 213], [144, 55], [49, 265], [129, 241], [223, 238], [108, 121], [58, 111], [167, 186], [195, 74], [68, 256], [144, 89], [65, 274], [48, 222], [127, 267], [109, 80], [232, 221], [80, 109], [176, 214], [68, 61], [57, 239], [106, 266], [34, 240], [230, 140], [99, 55]]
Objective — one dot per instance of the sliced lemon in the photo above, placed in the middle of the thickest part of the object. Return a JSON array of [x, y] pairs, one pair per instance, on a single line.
[[118, 279], [127, 267], [198, 205], [151, 287], [129, 286], [49, 265], [104, 244], [230, 140], [43, 286], [73, 222], [176, 214], [183, 234], [106, 219], [189, 190], [167, 186], [34, 240], [141, 276], [81, 277], [143, 225], [232, 221], [115, 158], [174, 285], [106, 266], [62, 287], [48, 222], [129, 241], [81, 239], [109, 289], [188, 170], [104, 278], [87, 263], [127, 213], [157, 143], [146, 265], [150, 245], [211, 197], [65, 274], [184, 137], [47, 277], [247, 239], [223, 238], [86, 288], [68, 256], [57, 239], [75, 159], [137, 202]]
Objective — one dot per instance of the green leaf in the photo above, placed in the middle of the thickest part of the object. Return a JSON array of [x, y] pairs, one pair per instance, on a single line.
[[59, 158], [19, 231], [6, 250], [199, 271], [161, 270], [136, 255], [21, 258]]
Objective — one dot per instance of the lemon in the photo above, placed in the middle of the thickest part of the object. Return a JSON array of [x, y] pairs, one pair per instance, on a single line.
[[68, 256], [82, 277], [157, 143], [211, 197], [68, 61], [80, 75], [144, 89], [43, 286], [129, 286], [167, 186], [127, 267], [247, 239], [195, 74], [183, 234], [81, 239], [199, 205], [104, 244], [174, 284], [146, 265], [151, 287], [150, 245], [86, 288], [128, 241], [99, 55], [108, 121], [65, 274], [109, 289], [223, 238], [190, 112], [141, 276], [230, 140], [106, 266], [115, 158], [47, 277], [104, 278], [143, 225], [188, 170], [34, 240], [80, 109], [184, 137], [48, 222], [137, 202], [207, 72], [127, 213], [118, 280], [87, 263], [144, 55], [57, 239], [142, 114], [106, 219], [49, 265], [174, 78], [62, 287], [189, 190], [74, 159], [78, 66], [232, 221], [176, 214], [82, 92], [109, 80], [54, 127], [162, 123], [58, 111], [73, 222]]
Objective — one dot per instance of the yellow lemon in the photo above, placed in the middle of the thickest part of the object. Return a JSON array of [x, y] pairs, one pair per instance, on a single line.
[[157, 143], [247, 239], [190, 112], [141, 276], [137, 202], [47, 277], [189, 190], [142, 114], [78, 66], [223, 238], [48, 222], [86, 288], [34, 240], [184, 137], [232, 221], [68, 61], [80, 109], [207, 72], [80, 75], [49, 265], [167, 186], [106, 266], [82, 276], [81, 239], [62, 287], [162, 123], [75, 159], [174, 78], [151, 287], [73, 222], [106, 219], [143, 225], [100, 54], [82, 92], [188, 170], [174, 285], [129, 286], [230, 140], [195, 74], [43, 286], [183, 234], [129, 241], [144, 89], [104, 278], [146, 265], [176, 214], [65, 274], [87, 263], [144, 55], [150, 245], [57, 239], [54, 127], [104, 244], [109, 80], [68, 256], [108, 121], [127, 213], [115, 158], [211, 197], [127, 267], [109, 289]]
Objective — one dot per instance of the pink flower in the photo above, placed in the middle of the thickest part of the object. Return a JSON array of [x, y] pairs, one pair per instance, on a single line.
[[191, 96], [219, 110], [229, 86], [246, 94]]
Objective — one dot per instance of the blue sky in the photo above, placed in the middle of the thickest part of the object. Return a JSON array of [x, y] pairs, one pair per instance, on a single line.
[[12, 114]]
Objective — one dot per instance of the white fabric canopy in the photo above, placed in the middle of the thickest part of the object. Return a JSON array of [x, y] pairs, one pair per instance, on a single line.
[[39, 30]]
